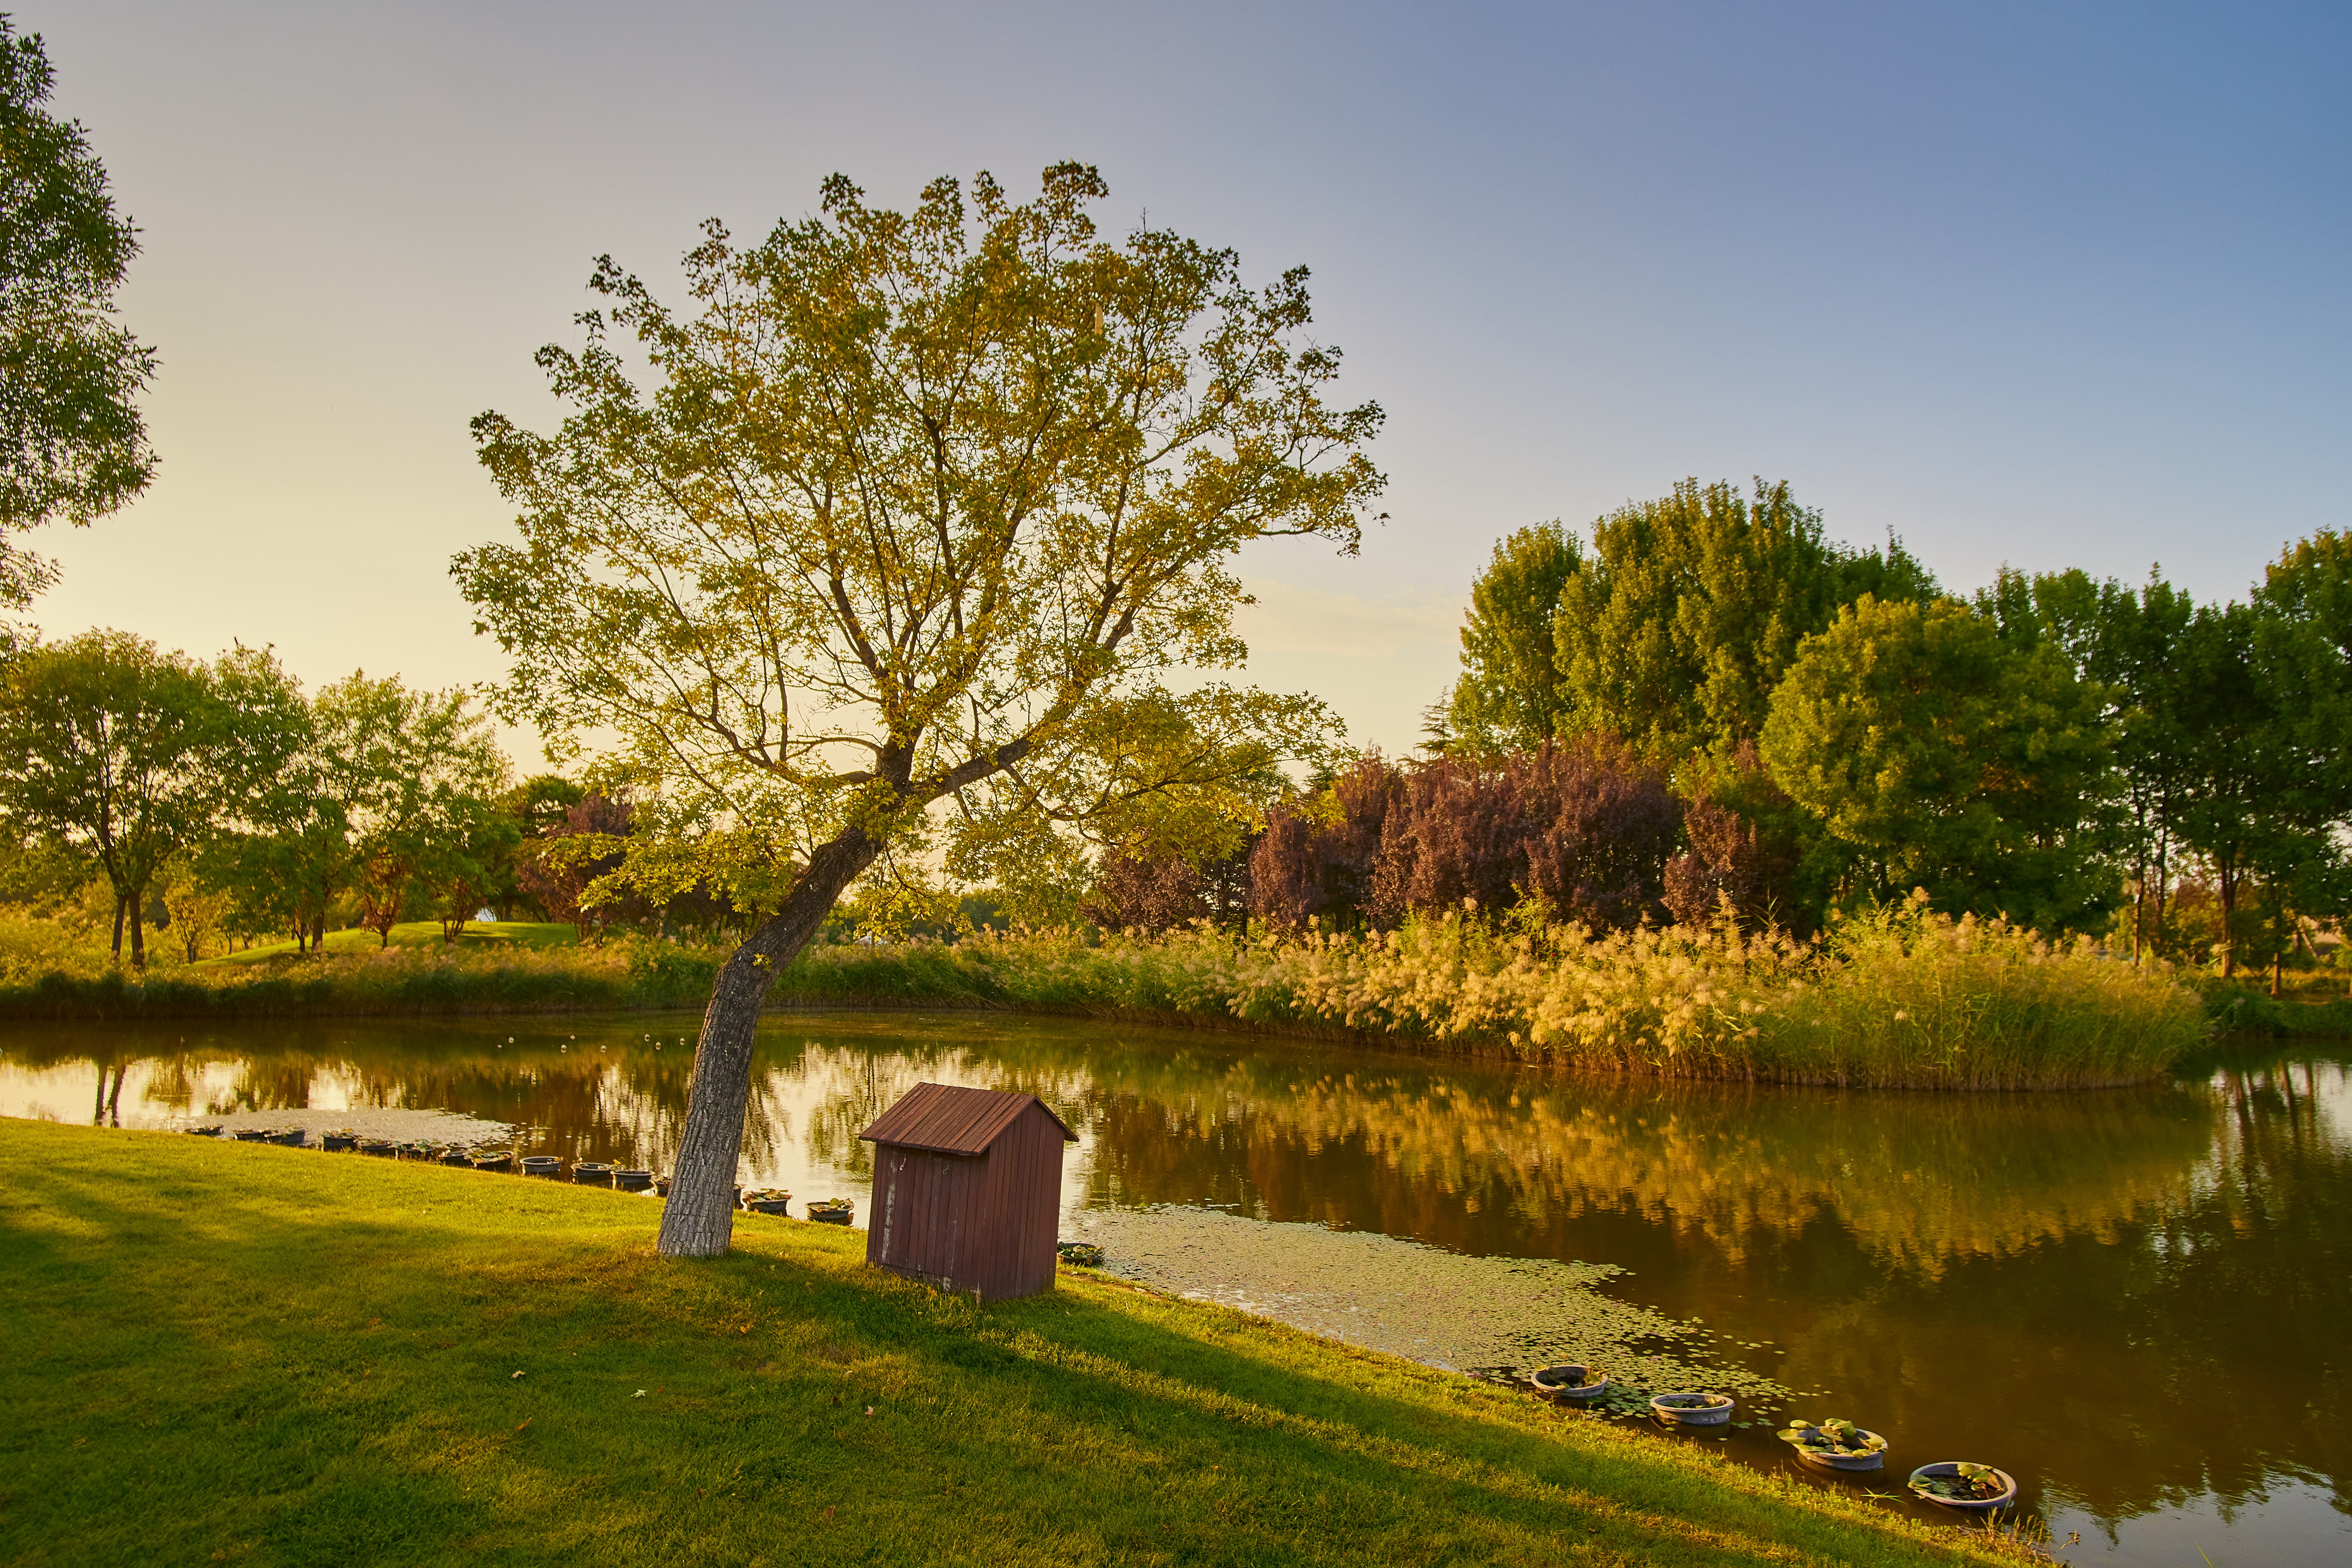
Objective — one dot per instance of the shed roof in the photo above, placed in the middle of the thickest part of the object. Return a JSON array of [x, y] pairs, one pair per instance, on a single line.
[[951, 1120]]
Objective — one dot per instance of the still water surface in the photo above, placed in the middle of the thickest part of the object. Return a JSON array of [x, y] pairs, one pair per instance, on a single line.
[[2137, 1302]]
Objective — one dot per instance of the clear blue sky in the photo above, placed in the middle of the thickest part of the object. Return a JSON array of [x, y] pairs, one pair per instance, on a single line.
[[2050, 285]]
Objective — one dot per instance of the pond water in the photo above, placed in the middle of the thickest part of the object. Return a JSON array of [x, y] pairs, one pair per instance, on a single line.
[[2137, 1302]]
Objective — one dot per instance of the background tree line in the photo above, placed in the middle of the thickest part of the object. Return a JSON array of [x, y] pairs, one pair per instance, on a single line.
[[220, 802], [1706, 699]]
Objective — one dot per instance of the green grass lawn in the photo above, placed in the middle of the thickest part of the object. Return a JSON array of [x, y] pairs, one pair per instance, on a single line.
[[234, 1352], [417, 933]]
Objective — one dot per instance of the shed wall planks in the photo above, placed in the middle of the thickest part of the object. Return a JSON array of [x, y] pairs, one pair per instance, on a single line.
[[982, 1220]]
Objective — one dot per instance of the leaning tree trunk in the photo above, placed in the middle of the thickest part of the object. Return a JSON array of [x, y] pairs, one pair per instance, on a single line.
[[699, 1218]]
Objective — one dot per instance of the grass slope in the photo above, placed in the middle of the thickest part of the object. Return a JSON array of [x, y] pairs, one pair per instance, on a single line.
[[499, 935], [226, 1353]]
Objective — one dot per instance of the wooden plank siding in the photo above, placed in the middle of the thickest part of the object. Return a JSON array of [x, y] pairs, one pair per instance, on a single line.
[[981, 1221]]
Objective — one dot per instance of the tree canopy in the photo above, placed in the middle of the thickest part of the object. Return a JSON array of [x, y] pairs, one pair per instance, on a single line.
[[72, 442], [132, 754], [1508, 697], [1690, 607], [922, 509], [1945, 758]]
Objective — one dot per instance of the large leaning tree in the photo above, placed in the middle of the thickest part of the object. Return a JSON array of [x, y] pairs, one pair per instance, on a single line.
[[913, 538]]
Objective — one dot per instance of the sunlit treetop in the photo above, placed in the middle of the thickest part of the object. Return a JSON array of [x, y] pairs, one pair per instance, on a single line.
[[937, 506]]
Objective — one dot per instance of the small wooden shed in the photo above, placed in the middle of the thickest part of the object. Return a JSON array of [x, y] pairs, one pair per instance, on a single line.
[[967, 1190]]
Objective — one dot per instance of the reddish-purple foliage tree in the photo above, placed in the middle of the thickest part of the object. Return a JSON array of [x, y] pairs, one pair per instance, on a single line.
[[1305, 866], [1585, 824], [1740, 846], [557, 880], [1601, 825], [1456, 832], [1145, 892]]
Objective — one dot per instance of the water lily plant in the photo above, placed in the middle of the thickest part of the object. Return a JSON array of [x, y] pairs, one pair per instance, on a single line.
[[1969, 1483], [1831, 1436]]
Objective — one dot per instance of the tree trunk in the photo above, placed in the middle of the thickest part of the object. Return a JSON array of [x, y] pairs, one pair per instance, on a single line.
[[117, 950], [139, 929], [2228, 889], [699, 1220]]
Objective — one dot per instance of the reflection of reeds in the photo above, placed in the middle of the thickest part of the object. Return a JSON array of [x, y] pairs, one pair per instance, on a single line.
[[1918, 1183]]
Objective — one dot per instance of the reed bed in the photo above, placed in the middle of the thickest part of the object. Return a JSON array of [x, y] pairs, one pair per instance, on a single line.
[[1898, 998]]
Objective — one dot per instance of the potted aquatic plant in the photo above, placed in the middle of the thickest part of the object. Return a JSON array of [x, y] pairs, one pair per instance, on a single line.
[[1080, 1254], [1692, 1409], [1959, 1484], [540, 1164], [592, 1173], [1569, 1380], [831, 1211], [1836, 1445], [767, 1200], [338, 1142]]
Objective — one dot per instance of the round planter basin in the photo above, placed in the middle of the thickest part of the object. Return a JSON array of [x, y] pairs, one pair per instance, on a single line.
[[1569, 1380], [205, 1132], [768, 1205], [252, 1135], [593, 1173], [661, 1186], [1945, 1469], [457, 1157], [338, 1142], [540, 1164], [1823, 1459], [1692, 1409], [632, 1181], [497, 1160], [834, 1212], [378, 1147]]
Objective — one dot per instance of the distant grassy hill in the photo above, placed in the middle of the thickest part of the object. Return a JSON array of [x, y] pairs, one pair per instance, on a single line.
[[502, 936], [236, 1352]]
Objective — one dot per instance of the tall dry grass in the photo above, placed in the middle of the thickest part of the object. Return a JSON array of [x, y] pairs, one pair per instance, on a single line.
[[1898, 998]]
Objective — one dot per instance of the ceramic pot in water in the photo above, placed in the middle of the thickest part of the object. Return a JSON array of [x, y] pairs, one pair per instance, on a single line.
[[1947, 1471], [1570, 1380], [1824, 1458], [632, 1181], [1692, 1409], [540, 1164], [593, 1173]]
